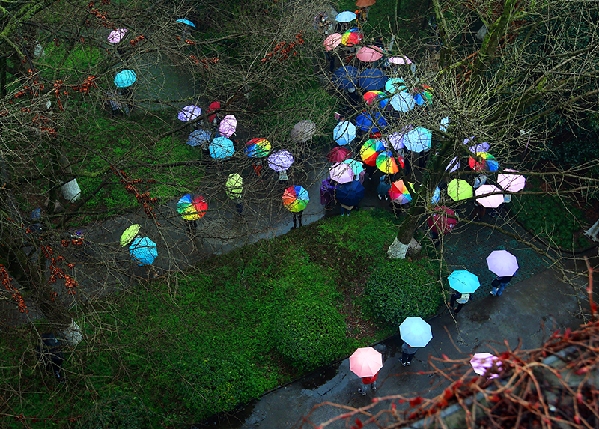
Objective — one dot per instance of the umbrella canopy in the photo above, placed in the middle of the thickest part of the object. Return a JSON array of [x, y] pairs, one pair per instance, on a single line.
[[345, 16], [365, 3], [332, 41], [369, 151], [369, 54], [372, 79], [423, 96], [415, 331], [189, 113], [399, 192], [192, 207], [502, 263], [453, 165], [511, 182], [338, 154], [129, 234], [345, 77], [487, 162], [351, 37], [344, 133], [327, 191], [371, 96], [402, 101], [221, 148], [459, 190], [439, 222], [395, 140], [303, 131], [234, 186], [295, 199], [227, 126], [487, 200], [186, 22], [365, 362], [117, 35], [444, 123], [395, 84], [386, 162], [125, 78], [356, 166], [198, 137], [482, 362], [215, 105], [341, 172], [257, 148], [280, 160], [436, 196], [371, 122], [418, 139], [143, 251], [463, 281], [400, 60], [350, 193]]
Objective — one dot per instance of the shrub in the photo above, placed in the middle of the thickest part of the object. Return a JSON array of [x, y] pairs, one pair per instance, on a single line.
[[120, 409], [399, 288]]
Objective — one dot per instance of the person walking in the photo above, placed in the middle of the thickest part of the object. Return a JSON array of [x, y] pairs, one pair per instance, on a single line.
[[460, 299], [368, 381], [407, 354], [500, 283], [383, 187]]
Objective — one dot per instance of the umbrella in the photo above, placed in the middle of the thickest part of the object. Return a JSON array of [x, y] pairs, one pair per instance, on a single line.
[[192, 207], [234, 186], [400, 60], [423, 96], [436, 196], [372, 79], [356, 166], [444, 124], [350, 193], [227, 126], [365, 362], [480, 147], [303, 131], [327, 191], [280, 160], [395, 84], [125, 78], [215, 105], [129, 234], [399, 192], [488, 162], [402, 101], [370, 96], [365, 3], [221, 148], [418, 139], [187, 22], [511, 182], [351, 37], [344, 133], [440, 222], [369, 151], [415, 332], [453, 165], [386, 162], [368, 54], [482, 362], [143, 250], [463, 281], [198, 137], [486, 200], [332, 41], [502, 263], [295, 199], [395, 140], [257, 148], [117, 35], [341, 172], [459, 190], [365, 122], [189, 113], [345, 77], [345, 16], [338, 154]]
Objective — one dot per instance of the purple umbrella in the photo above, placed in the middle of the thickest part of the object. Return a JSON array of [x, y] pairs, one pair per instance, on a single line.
[[395, 140], [479, 147], [482, 362], [341, 172], [453, 165], [280, 160], [327, 192], [511, 182], [502, 263], [189, 113], [117, 35], [227, 126], [486, 200]]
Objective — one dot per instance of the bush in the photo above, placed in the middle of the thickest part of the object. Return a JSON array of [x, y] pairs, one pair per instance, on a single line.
[[119, 410], [399, 288]]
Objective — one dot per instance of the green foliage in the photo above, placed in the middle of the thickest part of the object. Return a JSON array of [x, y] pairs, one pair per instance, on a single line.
[[119, 410], [399, 288]]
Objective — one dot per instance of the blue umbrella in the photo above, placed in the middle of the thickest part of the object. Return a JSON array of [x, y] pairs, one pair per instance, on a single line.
[[463, 281], [187, 21], [350, 193], [402, 101], [143, 250], [365, 122], [344, 133], [418, 139], [345, 77], [372, 79], [125, 78], [198, 137], [221, 148]]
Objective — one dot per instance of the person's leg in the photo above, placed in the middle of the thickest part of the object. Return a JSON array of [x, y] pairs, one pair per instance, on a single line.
[[452, 301], [404, 358], [501, 288], [299, 217], [294, 220], [458, 308]]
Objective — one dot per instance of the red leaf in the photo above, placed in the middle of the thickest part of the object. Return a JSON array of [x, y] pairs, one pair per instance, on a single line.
[[359, 424], [416, 401]]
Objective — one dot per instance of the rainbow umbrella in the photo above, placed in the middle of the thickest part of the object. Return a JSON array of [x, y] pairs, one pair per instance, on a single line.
[[192, 207], [338, 154], [423, 96], [399, 192], [344, 133], [370, 151], [341, 172], [221, 148], [189, 113], [487, 163], [332, 41], [186, 22], [369, 54], [143, 251], [511, 182], [485, 199], [459, 190], [117, 35], [356, 166], [125, 78], [257, 148], [386, 162], [295, 199], [351, 37], [280, 160], [370, 96]]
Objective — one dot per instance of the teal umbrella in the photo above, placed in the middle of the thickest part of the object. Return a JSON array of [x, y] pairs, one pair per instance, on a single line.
[[463, 281], [143, 251], [125, 78]]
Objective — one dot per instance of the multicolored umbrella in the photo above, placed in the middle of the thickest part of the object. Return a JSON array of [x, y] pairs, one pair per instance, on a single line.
[[350, 194], [351, 37], [502, 263], [423, 95], [345, 16], [400, 60], [369, 54], [482, 362], [459, 190], [227, 126], [117, 35], [280, 160], [372, 79], [395, 84], [402, 101], [143, 251], [332, 41], [365, 362], [234, 186], [369, 151], [341, 172], [295, 199], [129, 234], [192, 207], [371, 96], [303, 131], [257, 148], [386, 162], [487, 162], [221, 148], [338, 154], [345, 77], [463, 281], [511, 182], [418, 139], [344, 133], [356, 166], [440, 222], [125, 78], [186, 22], [189, 113], [415, 332], [198, 137], [486, 200], [371, 122], [399, 192]]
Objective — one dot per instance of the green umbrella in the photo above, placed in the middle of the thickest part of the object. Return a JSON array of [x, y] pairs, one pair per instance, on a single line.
[[459, 190], [234, 186], [129, 234]]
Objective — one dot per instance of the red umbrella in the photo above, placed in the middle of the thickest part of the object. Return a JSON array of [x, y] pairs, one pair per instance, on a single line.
[[213, 107], [365, 362], [440, 223], [338, 154]]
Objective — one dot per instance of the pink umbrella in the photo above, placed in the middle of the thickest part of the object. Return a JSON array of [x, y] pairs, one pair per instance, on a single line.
[[487, 200], [482, 362], [227, 126], [440, 223], [365, 362], [332, 41], [502, 263], [117, 35], [400, 60], [341, 172], [511, 182], [189, 113], [368, 54]]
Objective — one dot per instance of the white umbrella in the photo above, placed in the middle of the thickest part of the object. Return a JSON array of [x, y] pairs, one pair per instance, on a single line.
[[415, 331]]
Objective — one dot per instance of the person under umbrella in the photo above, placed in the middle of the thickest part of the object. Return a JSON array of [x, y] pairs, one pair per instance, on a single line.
[[440, 223], [366, 363], [464, 283], [234, 189], [414, 332], [349, 196], [295, 199], [505, 266]]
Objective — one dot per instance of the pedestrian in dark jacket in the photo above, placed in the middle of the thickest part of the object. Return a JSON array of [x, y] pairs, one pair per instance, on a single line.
[[499, 284], [407, 354]]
